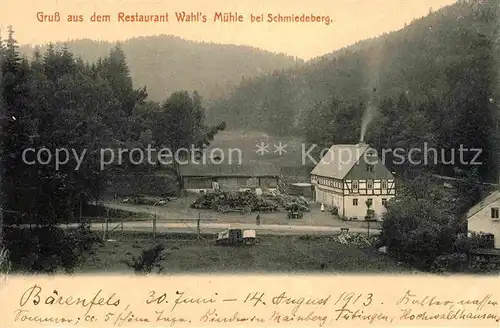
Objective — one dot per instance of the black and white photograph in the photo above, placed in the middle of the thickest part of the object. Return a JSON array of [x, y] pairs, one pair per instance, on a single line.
[[349, 137]]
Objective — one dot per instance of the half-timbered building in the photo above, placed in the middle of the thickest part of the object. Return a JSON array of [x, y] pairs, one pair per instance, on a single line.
[[350, 177]]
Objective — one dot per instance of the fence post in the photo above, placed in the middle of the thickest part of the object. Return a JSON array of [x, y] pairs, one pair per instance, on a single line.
[[107, 228], [154, 228], [198, 230], [368, 228]]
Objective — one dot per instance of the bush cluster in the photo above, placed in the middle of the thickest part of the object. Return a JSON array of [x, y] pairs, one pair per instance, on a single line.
[[48, 249], [148, 260]]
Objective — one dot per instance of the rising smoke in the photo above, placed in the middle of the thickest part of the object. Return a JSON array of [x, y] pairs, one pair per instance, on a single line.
[[372, 74], [368, 115]]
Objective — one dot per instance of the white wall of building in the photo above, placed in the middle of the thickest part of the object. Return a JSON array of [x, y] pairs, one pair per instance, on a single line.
[[483, 222], [329, 198], [359, 211]]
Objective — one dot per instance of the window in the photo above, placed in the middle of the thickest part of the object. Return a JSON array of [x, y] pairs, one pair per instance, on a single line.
[[384, 201], [384, 184], [494, 213], [355, 202], [355, 185], [369, 167], [369, 184]]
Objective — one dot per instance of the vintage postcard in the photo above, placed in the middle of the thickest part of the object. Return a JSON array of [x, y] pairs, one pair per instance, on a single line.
[[249, 163]]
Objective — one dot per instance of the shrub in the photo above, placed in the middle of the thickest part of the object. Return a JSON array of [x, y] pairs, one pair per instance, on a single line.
[[417, 232], [86, 239], [45, 249], [5, 264], [465, 244], [485, 265], [455, 262], [149, 259]]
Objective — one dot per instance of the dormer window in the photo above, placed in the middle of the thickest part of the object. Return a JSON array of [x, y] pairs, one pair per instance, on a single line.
[[369, 184], [494, 213]]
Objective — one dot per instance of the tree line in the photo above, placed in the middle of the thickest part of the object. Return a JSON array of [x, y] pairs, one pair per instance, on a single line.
[[55, 100], [165, 63]]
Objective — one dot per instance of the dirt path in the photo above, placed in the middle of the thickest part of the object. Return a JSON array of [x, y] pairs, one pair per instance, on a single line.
[[179, 212], [209, 227]]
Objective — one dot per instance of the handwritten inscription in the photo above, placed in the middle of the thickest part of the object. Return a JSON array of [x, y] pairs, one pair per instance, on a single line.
[[181, 298], [184, 308], [432, 308], [35, 295], [25, 315], [212, 316]]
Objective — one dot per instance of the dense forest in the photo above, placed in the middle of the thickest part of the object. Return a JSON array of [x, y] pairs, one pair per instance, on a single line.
[[56, 101], [165, 63], [431, 82]]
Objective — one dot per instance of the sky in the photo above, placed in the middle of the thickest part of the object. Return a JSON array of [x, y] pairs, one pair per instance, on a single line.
[[353, 20]]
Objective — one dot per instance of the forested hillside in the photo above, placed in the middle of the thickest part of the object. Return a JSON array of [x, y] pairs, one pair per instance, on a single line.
[[57, 115], [432, 82], [165, 64]]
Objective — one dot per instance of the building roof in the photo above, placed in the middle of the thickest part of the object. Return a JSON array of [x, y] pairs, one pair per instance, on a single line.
[[484, 203], [339, 160], [229, 170]]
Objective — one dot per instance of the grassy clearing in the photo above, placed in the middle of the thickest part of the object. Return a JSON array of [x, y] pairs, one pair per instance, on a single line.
[[273, 254]]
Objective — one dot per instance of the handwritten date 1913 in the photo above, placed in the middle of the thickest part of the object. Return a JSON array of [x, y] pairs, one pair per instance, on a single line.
[[346, 299]]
